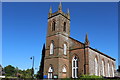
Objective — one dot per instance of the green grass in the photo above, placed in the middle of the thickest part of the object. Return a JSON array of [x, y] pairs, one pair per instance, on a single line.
[[10, 77], [90, 76], [87, 77]]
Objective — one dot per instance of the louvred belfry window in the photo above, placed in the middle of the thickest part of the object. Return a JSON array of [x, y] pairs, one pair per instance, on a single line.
[[53, 26], [64, 27]]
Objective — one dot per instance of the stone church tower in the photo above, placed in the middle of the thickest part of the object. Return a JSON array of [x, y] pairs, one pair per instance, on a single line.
[[58, 33], [66, 57]]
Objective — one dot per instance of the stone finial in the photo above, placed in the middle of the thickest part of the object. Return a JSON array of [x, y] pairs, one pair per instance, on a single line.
[[86, 40], [50, 11], [68, 13], [60, 7]]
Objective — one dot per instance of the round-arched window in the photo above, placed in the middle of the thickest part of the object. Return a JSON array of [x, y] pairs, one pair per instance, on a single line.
[[103, 68], [52, 47], [65, 49], [108, 65], [96, 67], [112, 70]]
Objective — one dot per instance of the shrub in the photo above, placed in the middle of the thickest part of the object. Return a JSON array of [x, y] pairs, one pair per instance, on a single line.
[[90, 76]]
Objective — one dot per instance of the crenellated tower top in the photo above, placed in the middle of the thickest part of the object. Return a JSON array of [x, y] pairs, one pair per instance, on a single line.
[[67, 15]]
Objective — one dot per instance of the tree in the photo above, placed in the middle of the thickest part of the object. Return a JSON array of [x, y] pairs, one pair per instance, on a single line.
[[118, 68], [28, 73], [41, 68], [9, 70], [25, 73]]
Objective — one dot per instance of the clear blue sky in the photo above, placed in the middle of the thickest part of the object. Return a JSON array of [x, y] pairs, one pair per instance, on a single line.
[[25, 27]]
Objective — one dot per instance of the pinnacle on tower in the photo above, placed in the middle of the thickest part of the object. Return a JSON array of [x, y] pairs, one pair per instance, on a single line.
[[50, 11], [68, 11], [86, 40], [60, 7]]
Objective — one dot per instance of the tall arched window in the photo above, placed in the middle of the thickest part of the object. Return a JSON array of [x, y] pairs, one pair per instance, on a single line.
[[103, 68], [50, 72], [96, 67], [108, 65], [65, 49], [74, 67], [52, 47], [112, 70], [53, 26], [64, 27]]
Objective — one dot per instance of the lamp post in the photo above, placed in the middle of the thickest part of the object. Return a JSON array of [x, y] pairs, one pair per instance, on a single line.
[[32, 67]]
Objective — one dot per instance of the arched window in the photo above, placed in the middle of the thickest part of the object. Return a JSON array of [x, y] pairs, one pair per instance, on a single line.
[[65, 49], [112, 70], [64, 27], [103, 68], [108, 65], [64, 69], [52, 47], [53, 26], [50, 72], [74, 67], [96, 67]]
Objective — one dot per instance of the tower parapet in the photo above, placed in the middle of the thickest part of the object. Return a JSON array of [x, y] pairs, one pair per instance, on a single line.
[[67, 15]]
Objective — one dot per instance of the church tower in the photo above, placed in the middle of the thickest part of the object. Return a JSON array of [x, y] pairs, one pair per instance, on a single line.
[[56, 63], [58, 22]]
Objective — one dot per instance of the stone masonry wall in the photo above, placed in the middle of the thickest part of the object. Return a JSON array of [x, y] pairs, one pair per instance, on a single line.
[[100, 57]]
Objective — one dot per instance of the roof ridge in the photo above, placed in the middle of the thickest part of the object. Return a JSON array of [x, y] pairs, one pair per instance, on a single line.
[[101, 53], [93, 48], [76, 40]]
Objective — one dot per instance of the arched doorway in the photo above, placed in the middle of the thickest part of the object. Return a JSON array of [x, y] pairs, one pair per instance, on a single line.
[[64, 75], [50, 72]]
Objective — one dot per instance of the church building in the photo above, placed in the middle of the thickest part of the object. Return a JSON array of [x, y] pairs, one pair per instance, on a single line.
[[66, 57]]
